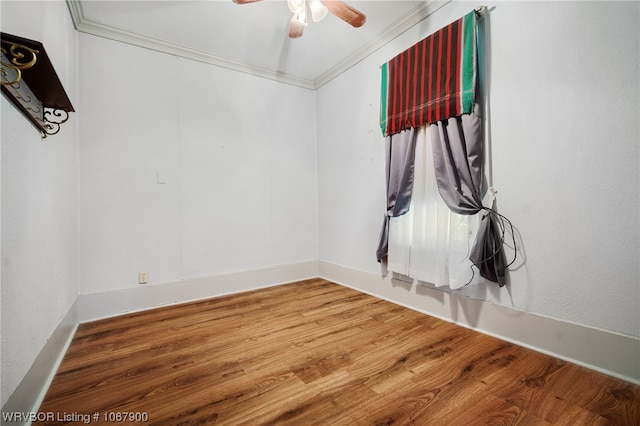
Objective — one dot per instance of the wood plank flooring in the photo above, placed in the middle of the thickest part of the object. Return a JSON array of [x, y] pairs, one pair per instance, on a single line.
[[317, 353]]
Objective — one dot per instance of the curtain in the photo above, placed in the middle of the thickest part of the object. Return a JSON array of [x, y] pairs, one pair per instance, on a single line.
[[457, 154], [448, 236], [431, 243], [434, 83], [400, 152], [432, 80]]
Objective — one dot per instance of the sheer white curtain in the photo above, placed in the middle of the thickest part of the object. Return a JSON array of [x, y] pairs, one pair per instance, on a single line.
[[430, 243]]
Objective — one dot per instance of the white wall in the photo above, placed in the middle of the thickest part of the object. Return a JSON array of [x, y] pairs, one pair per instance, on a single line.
[[564, 88], [189, 170], [39, 202]]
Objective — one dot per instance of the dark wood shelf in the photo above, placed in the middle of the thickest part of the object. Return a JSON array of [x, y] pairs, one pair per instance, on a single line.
[[52, 105]]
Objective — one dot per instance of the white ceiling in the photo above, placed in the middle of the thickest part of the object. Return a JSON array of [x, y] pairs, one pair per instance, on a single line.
[[252, 37]]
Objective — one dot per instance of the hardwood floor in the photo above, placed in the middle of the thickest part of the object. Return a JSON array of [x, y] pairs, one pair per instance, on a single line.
[[317, 353]]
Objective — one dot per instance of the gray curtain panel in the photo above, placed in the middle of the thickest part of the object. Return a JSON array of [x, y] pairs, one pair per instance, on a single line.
[[457, 157], [400, 157], [487, 253], [457, 160]]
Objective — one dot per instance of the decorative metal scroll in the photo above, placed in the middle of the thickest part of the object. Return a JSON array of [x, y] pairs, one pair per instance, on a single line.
[[53, 118], [29, 81], [19, 57], [21, 94]]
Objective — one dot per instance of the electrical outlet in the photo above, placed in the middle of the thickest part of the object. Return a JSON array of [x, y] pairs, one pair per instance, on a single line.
[[142, 277]]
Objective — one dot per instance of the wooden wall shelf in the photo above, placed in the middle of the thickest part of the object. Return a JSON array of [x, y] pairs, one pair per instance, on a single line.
[[30, 82]]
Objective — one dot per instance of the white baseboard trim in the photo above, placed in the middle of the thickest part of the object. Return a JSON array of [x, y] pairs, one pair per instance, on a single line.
[[142, 297], [610, 353], [30, 393], [613, 354]]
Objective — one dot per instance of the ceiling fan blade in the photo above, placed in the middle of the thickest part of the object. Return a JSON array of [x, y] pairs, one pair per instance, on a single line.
[[345, 12], [296, 29], [245, 1]]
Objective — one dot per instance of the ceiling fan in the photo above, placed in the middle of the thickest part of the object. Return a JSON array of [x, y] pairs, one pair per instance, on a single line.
[[319, 9]]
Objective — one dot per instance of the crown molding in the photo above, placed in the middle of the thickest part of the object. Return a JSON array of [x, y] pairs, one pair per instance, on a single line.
[[88, 26], [411, 18]]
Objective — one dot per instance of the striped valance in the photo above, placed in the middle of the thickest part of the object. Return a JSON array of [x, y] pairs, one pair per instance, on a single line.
[[433, 80]]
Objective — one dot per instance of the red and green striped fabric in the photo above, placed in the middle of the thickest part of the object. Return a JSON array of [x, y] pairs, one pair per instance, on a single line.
[[433, 80]]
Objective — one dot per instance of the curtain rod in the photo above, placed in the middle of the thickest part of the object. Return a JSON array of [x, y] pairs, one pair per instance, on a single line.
[[479, 10]]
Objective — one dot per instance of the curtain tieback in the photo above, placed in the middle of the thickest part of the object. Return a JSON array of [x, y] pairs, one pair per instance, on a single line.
[[503, 222], [490, 197]]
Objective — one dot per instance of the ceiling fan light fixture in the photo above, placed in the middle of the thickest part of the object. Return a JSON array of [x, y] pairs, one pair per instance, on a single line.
[[300, 18], [296, 6], [318, 10]]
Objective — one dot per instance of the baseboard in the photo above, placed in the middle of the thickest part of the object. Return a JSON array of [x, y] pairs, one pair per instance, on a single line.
[[30, 393], [111, 303], [613, 354], [610, 353]]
